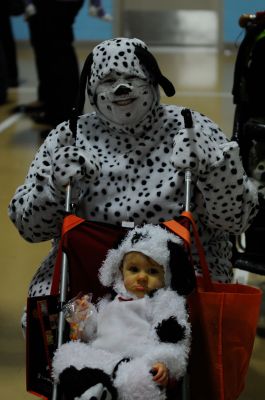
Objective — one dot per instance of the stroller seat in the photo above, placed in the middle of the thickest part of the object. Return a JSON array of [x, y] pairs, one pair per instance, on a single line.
[[86, 244]]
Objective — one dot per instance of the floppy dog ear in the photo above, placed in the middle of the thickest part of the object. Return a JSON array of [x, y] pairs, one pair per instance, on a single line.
[[183, 279], [150, 63], [84, 78]]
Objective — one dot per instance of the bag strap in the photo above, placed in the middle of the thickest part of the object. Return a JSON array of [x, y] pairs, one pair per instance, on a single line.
[[207, 280], [179, 230], [69, 222], [184, 233]]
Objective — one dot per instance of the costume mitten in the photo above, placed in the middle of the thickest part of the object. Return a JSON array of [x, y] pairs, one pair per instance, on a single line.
[[195, 150], [70, 163]]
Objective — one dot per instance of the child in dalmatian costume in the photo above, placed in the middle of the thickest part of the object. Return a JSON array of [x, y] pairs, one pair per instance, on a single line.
[[127, 163], [141, 339]]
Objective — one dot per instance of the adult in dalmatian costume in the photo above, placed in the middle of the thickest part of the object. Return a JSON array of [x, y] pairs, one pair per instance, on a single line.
[[128, 160], [141, 338]]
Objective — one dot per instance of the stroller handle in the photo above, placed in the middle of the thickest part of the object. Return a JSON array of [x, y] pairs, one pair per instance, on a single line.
[[188, 122], [187, 189], [63, 291], [248, 19]]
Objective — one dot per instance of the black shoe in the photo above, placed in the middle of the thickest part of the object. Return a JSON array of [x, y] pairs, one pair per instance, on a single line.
[[74, 382], [12, 82], [3, 100], [30, 108], [40, 117], [43, 118]]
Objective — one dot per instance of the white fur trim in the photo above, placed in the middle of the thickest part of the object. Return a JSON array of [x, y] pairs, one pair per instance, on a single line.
[[81, 355]]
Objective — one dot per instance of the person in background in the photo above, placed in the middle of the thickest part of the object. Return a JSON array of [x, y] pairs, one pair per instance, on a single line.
[[51, 34], [96, 9], [8, 55]]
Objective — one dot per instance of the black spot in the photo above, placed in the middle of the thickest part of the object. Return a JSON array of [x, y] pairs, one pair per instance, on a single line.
[[150, 214], [170, 331]]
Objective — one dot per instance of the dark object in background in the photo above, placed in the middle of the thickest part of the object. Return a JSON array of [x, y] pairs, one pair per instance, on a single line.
[[3, 76], [51, 37], [8, 51], [15, 7], [249, 132]]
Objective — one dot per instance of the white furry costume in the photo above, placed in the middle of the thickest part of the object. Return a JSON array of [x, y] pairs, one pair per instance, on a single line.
[[123, 168], [145, 331]]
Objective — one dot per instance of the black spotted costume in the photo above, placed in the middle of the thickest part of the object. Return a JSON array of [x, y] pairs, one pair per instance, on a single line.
[[126, 168], [127, 336]]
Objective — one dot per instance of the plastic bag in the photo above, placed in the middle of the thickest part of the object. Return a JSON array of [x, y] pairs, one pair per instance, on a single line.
[[77, 311]]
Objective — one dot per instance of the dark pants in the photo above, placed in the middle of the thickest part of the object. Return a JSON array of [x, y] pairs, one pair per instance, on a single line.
[[3, 76], [51, 34], [8, 46]]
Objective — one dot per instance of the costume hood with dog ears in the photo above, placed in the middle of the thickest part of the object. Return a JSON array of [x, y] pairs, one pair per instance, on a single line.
[[157, 243], [122, 55]]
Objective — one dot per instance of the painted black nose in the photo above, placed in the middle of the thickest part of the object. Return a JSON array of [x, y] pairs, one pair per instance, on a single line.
[[122, 90]]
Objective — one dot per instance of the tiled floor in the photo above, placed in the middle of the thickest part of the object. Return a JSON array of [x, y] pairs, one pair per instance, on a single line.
[[203, 81]]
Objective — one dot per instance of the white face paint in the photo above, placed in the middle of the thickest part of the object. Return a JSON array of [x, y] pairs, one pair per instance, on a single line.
[[124, 99]]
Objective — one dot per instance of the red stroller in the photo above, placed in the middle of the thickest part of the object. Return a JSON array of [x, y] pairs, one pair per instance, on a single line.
[[93, 239], [84, 246]]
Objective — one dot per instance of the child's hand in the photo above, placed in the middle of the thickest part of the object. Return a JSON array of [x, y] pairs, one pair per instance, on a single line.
[[160, 373]]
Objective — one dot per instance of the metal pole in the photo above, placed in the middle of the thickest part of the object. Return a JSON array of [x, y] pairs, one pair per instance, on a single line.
[[63, 291], [188, 125], [185, 381], [187, 189]]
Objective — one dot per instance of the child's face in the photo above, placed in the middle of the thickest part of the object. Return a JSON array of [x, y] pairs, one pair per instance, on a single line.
[[141, 274]]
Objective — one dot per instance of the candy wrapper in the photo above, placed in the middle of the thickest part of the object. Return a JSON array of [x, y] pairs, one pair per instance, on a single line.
[[76, 312]]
